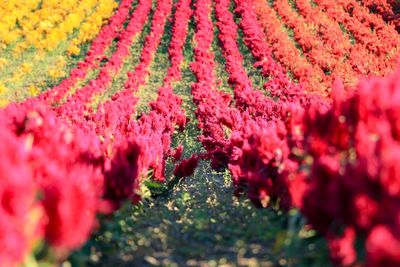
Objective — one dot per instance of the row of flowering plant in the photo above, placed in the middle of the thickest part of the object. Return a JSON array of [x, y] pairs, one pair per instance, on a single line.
[[363, 61], [357, 20], [73, 171], [312, 45], [95, 53], [78, 103], [331, 161], [286, 52], [387, 9]]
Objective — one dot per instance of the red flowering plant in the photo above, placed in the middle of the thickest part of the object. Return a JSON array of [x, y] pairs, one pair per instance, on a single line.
[[66, 165], [19, 212], [368, 30], [353, 189]]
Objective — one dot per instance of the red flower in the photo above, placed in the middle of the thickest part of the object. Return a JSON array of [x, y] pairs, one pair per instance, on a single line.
[[17, 197], [186, 167]]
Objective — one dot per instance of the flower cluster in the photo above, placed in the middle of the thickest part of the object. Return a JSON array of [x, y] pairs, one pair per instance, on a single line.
[[19, 214], [362, 61], [42, 30], [77, 104], [66, 167], [278, 84], [179, 32], [354, 179], [245, 96], [95, 53], [385, 8], [368, 30], [286, 52], [152, 41], [45, 24], [89, 163], [92, 24], [233, 135], [329, 160], [313, 47], [66, 162]]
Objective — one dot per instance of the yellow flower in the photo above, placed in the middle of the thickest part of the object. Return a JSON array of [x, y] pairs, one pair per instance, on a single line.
[[17, 76], [3, 88], [61, 62], [56, 73], [33, 90], [3, 103], [3, 62], [26, 68], [74, 50]]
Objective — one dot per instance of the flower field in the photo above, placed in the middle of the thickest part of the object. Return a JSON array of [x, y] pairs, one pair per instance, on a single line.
[[200, 133]]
